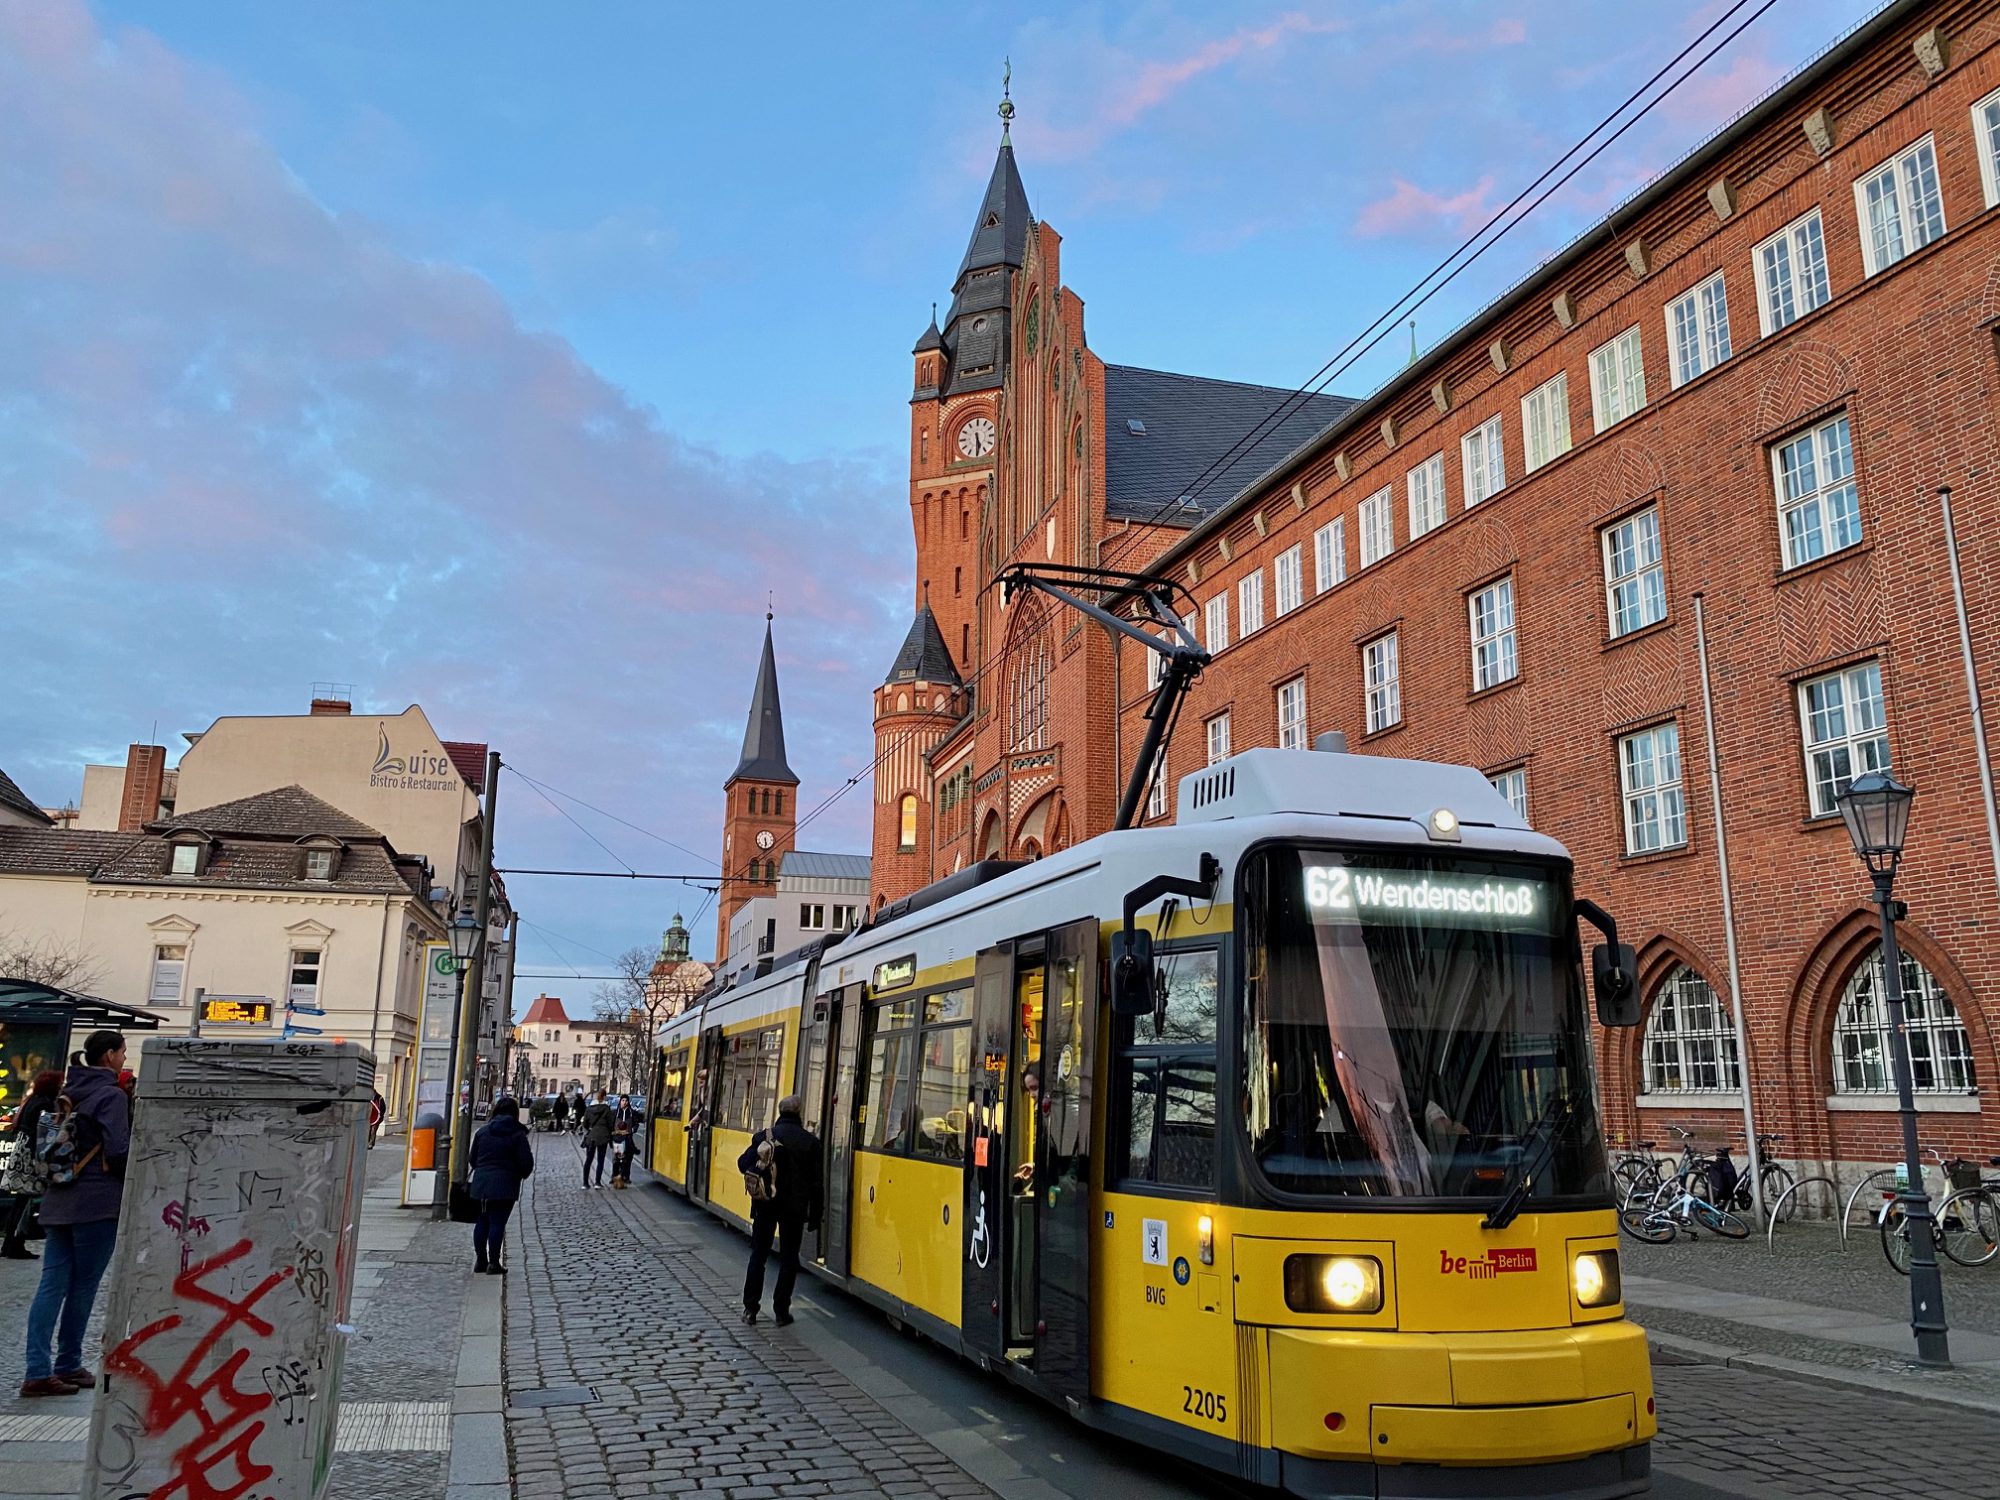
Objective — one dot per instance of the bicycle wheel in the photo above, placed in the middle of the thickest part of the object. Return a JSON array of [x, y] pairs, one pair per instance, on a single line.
[[1777, 1182], [1721, 1221], [1969, 1226], [1896, 1237], [1643, 1222]]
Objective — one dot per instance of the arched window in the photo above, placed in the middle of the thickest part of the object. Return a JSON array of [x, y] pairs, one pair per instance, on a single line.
[[1940, 1051], [1031, 698], [781, 804], [1690, 1044], [907, 836]]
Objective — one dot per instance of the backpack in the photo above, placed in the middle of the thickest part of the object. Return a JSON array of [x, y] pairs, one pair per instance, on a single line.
[[27, 1176], [59, 1142], [760, 1182]]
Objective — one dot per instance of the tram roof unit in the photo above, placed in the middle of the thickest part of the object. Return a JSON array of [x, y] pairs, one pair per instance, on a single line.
[[1261, 794]]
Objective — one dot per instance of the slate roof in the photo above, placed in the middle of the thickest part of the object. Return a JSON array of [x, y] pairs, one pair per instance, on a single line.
[[764, 734], [60, 851], [14, 797], [283, 812], [1000, 233], [805, 864], [924, 657], [1190, 422], [932, 338], [364, 869]]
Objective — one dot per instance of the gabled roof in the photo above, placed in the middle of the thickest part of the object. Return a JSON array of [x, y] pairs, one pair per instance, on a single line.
[[470, 761], [283, 812], [1000, 233], [1186, 424], [12, 796], [547, 1008], [924, 657], [764, 734]]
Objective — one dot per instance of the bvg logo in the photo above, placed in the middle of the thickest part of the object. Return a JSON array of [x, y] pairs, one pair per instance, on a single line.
[[1487, 1266]]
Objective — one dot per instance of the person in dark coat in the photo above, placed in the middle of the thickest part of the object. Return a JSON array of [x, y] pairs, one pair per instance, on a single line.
[[559, 1113], [80, 1220], [625, 1122], [40, 1096], [502, 1157], [789, 1155], [597, 1116]]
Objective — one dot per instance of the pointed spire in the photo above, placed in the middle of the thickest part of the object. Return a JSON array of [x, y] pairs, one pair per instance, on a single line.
[[933, 337], [1000, 233], [924, 657], [764, 734]]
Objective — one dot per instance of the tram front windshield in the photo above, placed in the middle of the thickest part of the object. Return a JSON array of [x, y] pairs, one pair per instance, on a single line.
[[1414, 1027]]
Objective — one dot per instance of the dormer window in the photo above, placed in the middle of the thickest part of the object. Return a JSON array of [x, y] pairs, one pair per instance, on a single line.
[[187, 857], [319, 864]]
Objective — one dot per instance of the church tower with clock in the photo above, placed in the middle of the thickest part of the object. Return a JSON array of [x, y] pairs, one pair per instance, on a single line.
[[760, 802]]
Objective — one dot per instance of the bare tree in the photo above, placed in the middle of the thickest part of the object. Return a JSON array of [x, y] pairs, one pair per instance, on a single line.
[[626, 1003], [48, 961]]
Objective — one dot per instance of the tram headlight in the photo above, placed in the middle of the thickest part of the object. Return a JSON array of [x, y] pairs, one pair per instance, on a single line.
[[1333, 1283], [1593, 1276]]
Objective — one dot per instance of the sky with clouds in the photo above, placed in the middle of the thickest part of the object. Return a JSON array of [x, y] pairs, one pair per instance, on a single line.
[[504, 357]]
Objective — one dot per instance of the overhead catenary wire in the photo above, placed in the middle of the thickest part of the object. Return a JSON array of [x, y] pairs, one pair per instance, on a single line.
[[547, 787]]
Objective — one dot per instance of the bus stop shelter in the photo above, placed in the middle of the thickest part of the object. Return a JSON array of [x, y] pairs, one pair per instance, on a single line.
[[40, 1025]]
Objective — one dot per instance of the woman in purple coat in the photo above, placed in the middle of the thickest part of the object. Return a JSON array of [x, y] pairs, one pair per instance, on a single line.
[[80, 1220]]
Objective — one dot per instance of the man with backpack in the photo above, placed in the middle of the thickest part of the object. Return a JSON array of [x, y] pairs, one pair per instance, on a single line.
[[781, 1176], [82, 1139]]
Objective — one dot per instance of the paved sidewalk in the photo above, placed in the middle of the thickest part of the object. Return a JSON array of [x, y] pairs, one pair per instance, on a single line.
[[396, 1436], [630, 1375], [1811, 1309]]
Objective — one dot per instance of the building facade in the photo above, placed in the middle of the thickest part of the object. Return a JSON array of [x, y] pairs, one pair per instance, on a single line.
[[1655, 542]]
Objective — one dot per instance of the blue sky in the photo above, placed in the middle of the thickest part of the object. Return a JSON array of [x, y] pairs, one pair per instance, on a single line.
[[502, 356]]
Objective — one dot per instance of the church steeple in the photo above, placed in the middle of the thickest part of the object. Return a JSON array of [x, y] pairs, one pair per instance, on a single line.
[[764, 733], [976, 337]]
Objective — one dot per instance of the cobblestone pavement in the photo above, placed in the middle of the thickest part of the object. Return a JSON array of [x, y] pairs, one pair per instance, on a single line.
[[409, 1290], [683, 1398]]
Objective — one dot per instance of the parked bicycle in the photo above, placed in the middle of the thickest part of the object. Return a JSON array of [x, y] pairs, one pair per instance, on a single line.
[[1966, 1220], [1675, 1208]]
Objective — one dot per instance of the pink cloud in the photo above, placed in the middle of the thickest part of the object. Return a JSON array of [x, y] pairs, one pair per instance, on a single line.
[[1712, 97], [1409, 209]]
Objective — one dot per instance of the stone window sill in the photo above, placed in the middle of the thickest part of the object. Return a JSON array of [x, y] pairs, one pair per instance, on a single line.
[[1885, 1104], [1690, 1101]]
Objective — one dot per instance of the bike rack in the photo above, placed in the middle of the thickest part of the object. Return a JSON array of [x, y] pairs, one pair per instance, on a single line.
[[1847, 1209], [1775, 1212]]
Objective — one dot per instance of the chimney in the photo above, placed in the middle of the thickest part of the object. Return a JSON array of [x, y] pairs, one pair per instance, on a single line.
[[332, 706], [145, 775], [332, 698]]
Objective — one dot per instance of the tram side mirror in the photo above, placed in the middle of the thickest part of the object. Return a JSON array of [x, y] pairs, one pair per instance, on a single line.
[[1132, 973], [1613, 971]]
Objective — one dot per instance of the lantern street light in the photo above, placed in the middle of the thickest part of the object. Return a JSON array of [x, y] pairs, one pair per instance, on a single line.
[[464, 938], [1876, 808]]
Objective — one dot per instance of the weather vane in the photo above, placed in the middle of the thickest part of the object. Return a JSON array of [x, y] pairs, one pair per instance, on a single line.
[[770, 606], [1006, 98]]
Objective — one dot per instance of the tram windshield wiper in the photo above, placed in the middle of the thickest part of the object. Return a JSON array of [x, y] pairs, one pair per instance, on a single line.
[[1538, 1147]]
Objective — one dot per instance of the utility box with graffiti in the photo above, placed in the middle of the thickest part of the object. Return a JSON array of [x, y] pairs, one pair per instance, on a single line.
[[227, 1315]]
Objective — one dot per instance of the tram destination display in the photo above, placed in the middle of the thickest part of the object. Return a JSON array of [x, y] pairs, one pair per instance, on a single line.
[[1343, 893]]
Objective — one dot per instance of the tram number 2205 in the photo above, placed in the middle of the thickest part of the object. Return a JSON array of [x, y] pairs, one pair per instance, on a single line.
[[1210, 1404]]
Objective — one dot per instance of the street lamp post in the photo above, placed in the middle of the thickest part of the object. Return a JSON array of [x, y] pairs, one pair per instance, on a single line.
[[1876, 809]]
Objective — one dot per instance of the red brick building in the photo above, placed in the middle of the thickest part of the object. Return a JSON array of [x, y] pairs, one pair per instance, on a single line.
[[1712, 429]]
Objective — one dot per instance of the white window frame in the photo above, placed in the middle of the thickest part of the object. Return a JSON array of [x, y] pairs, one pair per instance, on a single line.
[[320, 863], [1545, 433], [1288, 580], [1250, 604], [1986, 132], [1940, 1050], [1378, 526], [1216, 731], [1483, 459], [1291, 697], [1495, 650], [812, 916], [184, 859], [168, 958], [1698, 330], [1617, 379], [1156, 799], [1382, 682], [1215, 624], [1330, 555], [1914, 205], [1818, 519], [1658, 801], [1802, 240], [1689, 1035], [1425, 487], [1635, 578], [1850, 723], [1512, 784], [312, 991], [1156, 667]]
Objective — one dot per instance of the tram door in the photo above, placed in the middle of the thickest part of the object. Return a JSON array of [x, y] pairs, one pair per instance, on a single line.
[[836, 1101], [701, 1109], [1028, 1190]]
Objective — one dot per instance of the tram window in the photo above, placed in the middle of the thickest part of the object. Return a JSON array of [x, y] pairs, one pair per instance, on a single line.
[[952, 1005], [943, 1087], [673, 1085], [1188, 1017], [764, 1082], [1172, 1137], [886, 1122]]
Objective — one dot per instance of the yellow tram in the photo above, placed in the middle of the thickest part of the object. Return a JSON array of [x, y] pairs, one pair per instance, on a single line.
[[1267, 1138]]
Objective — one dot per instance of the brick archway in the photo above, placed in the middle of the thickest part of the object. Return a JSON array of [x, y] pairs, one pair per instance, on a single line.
[[1623, 1050]]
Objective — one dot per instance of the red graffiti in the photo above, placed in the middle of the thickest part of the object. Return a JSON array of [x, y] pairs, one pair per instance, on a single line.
[[175, 1216], [215, 1463]]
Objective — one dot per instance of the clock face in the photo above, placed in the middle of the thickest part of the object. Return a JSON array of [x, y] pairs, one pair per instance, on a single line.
[[765, 840], [975, 438]]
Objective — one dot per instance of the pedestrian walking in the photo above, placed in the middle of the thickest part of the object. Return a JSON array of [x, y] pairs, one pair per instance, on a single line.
[[559, 1113], [83, 1137], [781, 1174], [624, 1141], [378, 1108], [502, 1157], [597, 1118], [27, 1176]]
